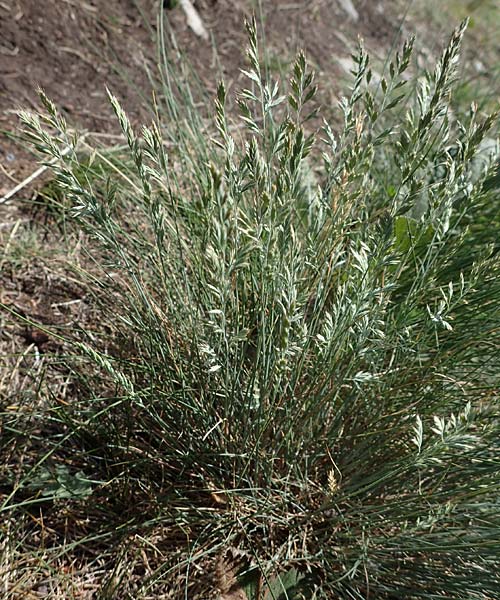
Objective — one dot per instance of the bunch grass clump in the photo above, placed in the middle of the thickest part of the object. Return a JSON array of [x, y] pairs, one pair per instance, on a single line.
[[301, 358]]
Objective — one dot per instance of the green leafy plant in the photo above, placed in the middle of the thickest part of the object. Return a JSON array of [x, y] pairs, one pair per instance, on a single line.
[[60, 483]]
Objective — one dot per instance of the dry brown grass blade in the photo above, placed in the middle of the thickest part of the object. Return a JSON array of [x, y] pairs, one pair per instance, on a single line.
[[226, 575], [235, 594]]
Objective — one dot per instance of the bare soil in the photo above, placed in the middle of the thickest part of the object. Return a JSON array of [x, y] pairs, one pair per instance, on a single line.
[[73, 50]]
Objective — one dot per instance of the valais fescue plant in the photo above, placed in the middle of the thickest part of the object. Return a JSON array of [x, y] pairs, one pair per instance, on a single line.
[[311, 320]]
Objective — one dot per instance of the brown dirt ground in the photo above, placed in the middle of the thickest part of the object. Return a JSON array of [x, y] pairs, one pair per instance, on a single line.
[[74, 49]]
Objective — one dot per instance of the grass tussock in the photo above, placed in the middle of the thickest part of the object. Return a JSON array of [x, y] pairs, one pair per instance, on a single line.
[[295, 392]]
